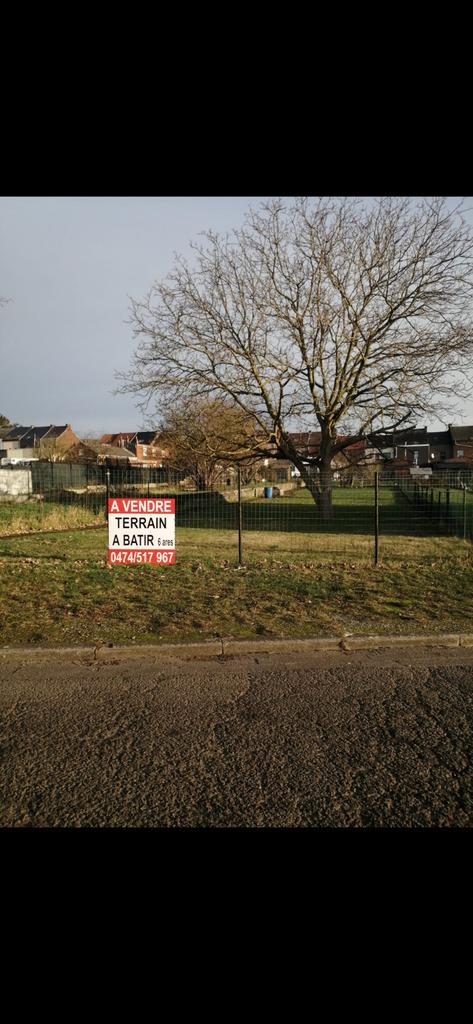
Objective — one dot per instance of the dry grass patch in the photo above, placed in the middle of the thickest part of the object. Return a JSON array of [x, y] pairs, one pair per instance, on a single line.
[[23, 519]]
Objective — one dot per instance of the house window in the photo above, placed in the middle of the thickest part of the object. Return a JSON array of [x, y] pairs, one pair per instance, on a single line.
[[460, 453]]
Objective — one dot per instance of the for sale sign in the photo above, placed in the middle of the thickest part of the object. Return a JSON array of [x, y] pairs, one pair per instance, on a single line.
[[141, 531]]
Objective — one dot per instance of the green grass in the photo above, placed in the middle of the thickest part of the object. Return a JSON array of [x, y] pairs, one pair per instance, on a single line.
[[290, 522], [58, 589], [352, 510]]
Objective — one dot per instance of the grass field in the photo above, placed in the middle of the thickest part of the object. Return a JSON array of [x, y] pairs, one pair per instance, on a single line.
[[352, 514], [58, 589]]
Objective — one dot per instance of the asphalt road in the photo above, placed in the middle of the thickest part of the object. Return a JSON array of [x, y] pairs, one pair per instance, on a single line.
[[366, 739]]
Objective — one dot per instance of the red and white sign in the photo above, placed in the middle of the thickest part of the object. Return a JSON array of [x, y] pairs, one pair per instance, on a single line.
[[141, 531]]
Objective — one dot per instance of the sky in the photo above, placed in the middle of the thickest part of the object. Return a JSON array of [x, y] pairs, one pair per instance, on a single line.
[[68, 266]]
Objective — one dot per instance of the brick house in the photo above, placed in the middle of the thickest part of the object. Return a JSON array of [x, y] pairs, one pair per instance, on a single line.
[[142, 444], [37, 442], [411, 445], [440, 445], [95, 453], [358, 455], [121, 440], [148, 448], [435, 448], [81, 453], [462, 442], [400, 450]]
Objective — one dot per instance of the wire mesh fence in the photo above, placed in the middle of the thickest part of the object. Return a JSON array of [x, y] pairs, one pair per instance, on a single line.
[[387, 519]]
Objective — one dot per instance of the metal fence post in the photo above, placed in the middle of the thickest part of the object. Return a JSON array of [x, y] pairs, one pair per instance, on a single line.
[[107, 492], [376, 517], [240, 519]]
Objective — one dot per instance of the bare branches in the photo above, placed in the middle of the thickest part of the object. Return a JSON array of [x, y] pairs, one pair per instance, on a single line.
[[321, 309], [205, 436]]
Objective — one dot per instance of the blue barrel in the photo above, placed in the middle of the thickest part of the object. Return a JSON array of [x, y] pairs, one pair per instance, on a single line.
[[268, 492]]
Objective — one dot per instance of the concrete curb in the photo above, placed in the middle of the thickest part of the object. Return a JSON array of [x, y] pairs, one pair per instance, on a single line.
[[217, 648]]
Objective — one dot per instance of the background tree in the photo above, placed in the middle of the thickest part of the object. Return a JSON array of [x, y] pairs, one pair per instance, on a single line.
[[48, 448], [315, 315], [205, 437]]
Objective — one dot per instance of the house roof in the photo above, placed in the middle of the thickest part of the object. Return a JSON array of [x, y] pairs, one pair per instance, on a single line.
[[57, 431], [28, 435], [417, 435], [14, 433], [110, 450], [97, 450], [462, 433], [123, 435], [81, 446], [311, 442], [146, 436], [35, 434], [306, 441]]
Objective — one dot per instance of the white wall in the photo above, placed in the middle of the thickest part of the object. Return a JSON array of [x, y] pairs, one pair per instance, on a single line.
[[15, 482]]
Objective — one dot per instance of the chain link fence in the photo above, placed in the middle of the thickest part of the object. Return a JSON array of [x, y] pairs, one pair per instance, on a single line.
[[382, 519]]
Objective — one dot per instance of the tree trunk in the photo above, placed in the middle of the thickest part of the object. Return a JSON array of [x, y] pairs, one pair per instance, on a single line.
[[325, 499], [318, 481], [200, 480]]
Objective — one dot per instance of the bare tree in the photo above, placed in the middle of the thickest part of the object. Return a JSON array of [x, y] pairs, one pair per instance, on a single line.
[[205, 437], [329, 314]]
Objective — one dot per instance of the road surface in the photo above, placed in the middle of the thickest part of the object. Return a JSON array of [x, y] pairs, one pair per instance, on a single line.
[[358, 739]]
